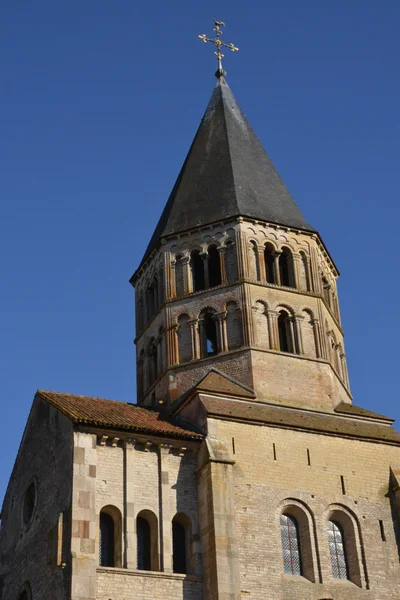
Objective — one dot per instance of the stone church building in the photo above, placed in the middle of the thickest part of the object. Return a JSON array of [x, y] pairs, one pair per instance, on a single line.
[[244, 470]]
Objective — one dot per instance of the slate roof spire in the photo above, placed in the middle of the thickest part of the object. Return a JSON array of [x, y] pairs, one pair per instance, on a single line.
[[227, 173]]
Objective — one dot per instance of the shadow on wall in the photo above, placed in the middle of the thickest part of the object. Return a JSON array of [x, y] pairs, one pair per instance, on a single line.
[[186, 522]]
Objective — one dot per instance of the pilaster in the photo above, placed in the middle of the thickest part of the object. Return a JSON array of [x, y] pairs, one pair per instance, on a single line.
[[217, 522]]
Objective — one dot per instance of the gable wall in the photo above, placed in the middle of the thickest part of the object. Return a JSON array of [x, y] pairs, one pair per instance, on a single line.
[[30, 553], [262, 484]]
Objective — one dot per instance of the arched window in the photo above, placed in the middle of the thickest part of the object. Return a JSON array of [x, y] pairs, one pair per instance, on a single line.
[[337, 550], [143, 544], [107, 540], [269, 259], [147, 541], [231, 262], [209, 335], [110, 537], [285, 333], [286, 268], [154, 361], [197, 265], [290, 545], [26, 592], [140, 374], [214, 266], [150, 302], [181, 533]]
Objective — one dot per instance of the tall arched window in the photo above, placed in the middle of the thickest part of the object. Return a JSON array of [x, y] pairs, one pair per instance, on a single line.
[[143, 544], [197, 265], [107, 540], [269, 259], [26, 592], [337, 550], [214, 266], [181, 533], [285, 333], [147, 541], [290, 545], [286, 268], [209, 335]]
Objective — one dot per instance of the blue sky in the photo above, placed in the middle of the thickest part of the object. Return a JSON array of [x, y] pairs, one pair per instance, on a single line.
[[100, 102]]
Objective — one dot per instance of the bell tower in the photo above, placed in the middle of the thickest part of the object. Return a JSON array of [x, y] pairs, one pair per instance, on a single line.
[[234, 278]]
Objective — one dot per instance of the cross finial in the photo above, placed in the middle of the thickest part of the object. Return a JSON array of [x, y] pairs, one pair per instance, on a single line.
[[218, 43]]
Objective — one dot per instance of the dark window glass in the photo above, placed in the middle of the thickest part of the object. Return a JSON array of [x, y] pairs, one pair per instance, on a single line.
[[284, 332], [214, 267], [284, 268], [29, 503], [106, 540], [337, 551], [269, 265], [143, 544], [290, 545], [199, 282], [179, 547]]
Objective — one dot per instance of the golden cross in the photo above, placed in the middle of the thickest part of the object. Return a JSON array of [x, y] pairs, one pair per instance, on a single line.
[[219, 44]]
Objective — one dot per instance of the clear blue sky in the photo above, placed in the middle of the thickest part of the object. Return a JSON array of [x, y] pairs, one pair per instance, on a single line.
[[99, 104]]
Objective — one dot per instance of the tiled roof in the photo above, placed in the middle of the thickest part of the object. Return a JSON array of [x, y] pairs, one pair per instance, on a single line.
[[305, 420], [351, 409], [113, 414]]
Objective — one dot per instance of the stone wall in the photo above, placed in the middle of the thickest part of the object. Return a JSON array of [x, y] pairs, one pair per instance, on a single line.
[[314, 475], [115, 584], [37, 552]]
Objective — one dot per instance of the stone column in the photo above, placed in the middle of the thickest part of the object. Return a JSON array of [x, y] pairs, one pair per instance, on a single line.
[[130, 523], [261, 264], [243, 269], [317, 337], [172, 279], [344, 368], [222, 262], [173, 353], [314, 275], [84, 518], [277, 272], [165, 523], [187, 274], [204, 256], [299, 346], [219, 318], [272, 317], [293, 335], [195, 338], [296, 271], [218, 522]]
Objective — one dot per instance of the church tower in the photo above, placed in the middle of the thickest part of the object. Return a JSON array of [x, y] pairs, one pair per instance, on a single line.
[[235, 278]]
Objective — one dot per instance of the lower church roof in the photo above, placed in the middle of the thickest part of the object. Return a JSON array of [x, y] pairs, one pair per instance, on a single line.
[[100, 412], [280, 416]]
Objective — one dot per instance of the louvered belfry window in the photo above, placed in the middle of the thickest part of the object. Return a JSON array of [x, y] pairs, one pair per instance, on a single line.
[[337, 551], [290, 545]]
